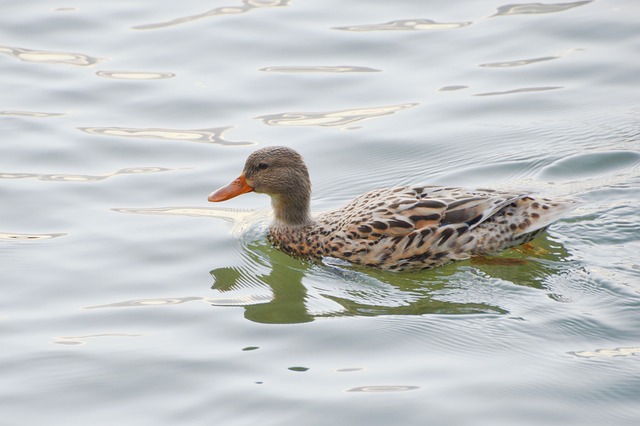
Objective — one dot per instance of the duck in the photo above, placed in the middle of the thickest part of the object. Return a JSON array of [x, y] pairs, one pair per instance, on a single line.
[[403, 228]]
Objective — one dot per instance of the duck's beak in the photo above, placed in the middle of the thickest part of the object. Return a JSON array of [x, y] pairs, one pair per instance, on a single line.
[[235, 188]]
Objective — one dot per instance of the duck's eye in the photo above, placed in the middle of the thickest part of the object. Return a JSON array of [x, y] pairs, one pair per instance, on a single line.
[[263, 166]]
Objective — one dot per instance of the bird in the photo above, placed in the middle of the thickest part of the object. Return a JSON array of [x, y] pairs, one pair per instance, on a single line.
[[403, 228]]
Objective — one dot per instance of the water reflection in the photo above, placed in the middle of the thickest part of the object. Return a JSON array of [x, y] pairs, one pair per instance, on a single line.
[[135, 75], [521, 90], [286, 305], [535, 8], [406, 25], [81, 340], [29, 237], [452, 88], [247, 5], [608, 353], [319, 68], [383, 388], [275, 288], [31, 114], [331, 118], [520, 62], [239, 220], [301, 292], [163, 301], [214, 135], [82, 178], [49, 57]]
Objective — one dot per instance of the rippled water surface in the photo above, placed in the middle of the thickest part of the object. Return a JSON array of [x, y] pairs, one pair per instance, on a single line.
[[128, 299]]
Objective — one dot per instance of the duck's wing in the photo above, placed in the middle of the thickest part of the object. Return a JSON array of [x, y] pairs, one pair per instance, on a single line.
[[421, 227], [407, 227], [400, 211], [474, 207]]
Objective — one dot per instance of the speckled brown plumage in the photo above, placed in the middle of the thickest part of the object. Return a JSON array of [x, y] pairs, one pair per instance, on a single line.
[[403, 228]]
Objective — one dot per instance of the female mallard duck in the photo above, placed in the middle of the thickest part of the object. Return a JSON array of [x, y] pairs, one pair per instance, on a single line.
[[403, 228]]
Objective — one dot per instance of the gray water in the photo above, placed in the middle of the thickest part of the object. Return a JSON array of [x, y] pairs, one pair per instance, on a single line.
[[128, 299]]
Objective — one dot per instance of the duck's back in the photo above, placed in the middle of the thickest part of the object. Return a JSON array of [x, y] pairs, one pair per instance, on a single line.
[[419, 227]]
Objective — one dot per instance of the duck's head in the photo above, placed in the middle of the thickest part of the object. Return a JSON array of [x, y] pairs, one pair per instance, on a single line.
[[279, 172]]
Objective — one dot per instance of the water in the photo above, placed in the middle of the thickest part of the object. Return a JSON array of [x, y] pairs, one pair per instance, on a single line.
[[128, 299]]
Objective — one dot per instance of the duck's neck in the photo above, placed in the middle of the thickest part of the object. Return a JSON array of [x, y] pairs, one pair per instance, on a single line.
[[292, 209]]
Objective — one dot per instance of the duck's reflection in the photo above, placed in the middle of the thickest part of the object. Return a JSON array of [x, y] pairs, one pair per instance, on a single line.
[[301, 292], [275, 288], [287, 304]]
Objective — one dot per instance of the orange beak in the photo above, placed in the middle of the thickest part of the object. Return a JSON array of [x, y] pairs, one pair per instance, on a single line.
[[235, 188]]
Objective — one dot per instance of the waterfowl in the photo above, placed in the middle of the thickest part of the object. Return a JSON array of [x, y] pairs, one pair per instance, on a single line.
[[401, 228]]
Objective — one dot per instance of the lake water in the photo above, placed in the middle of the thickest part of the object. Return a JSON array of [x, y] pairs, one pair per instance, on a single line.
[[128, 299]]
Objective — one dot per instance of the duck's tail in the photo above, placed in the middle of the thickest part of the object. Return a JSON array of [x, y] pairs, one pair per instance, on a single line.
[[538, 213], [519, 222]]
